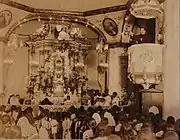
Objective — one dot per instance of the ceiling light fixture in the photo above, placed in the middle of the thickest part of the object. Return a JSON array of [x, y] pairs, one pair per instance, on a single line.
[[39, 18], [20, 25]]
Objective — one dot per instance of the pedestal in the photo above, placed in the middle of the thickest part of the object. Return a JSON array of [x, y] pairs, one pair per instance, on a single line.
[[150, 99]]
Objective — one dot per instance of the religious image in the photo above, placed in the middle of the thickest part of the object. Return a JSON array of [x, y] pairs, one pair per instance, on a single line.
[[110, 27], [5, 18], [89, 70]]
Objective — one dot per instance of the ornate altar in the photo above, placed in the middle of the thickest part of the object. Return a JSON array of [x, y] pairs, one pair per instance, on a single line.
[[57, 56]]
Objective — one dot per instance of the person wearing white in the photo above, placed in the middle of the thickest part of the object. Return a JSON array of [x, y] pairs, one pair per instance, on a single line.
[[88, 134], [27, 130], [107, 101], [14, 100], [68, 103], [54, 127], [97, 118], [74, 98], [43, 131], [111, 121], [154, 110], [115, 100], [66, 128]]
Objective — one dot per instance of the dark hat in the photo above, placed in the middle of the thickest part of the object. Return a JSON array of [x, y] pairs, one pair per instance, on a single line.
[[143, 26]]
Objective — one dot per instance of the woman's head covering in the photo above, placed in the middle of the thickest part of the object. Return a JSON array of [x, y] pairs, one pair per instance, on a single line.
[[111, 121], [97, 118]]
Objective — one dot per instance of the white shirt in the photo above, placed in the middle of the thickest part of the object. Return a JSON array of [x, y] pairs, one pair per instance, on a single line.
[[118, 127], [54, 124], [88, 134], [115, 101], [107, 101], [27, 130]]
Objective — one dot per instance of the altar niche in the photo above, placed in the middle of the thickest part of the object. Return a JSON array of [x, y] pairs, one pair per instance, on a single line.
[[57, 55]]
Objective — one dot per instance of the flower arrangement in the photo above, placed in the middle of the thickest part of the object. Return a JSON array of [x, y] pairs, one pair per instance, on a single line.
[[40, 33]]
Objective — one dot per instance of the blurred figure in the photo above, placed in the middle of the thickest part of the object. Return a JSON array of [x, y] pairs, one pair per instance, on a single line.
[[14, 100], [45, 125], [27, 126], [89, 134], [68, 103], [14, 132], [177, 127], [2, 128], [127, 132], [114, 137], [170, 135], [107, 98], [143, 37], [115, 99], [146, 134]]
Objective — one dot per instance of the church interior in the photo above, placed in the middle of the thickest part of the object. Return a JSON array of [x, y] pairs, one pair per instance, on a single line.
[[90, 69]]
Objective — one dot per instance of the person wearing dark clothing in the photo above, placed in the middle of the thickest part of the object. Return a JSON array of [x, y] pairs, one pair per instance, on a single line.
[[143, 37]]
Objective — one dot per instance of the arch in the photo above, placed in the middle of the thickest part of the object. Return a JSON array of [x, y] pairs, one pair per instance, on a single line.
[[54, 18]]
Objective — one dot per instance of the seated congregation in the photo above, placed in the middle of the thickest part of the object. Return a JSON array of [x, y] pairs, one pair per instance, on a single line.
[[90, 120]]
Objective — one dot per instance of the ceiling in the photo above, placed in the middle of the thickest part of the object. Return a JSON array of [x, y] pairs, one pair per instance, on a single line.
[[71, 5]]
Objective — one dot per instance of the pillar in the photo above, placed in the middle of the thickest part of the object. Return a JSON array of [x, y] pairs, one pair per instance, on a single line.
[[114, 72], [2, 95], [172, 60]]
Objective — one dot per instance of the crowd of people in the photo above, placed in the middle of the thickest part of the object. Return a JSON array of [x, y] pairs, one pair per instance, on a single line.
[[101, 117]]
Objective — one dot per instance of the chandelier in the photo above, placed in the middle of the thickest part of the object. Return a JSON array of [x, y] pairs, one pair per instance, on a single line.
[[146, 9]]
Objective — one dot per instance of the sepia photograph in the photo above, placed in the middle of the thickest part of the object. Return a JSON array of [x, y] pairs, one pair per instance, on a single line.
[[90, 69]]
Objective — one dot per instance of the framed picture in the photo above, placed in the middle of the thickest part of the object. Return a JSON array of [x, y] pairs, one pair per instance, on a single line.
[[110, 26], [5, 18]]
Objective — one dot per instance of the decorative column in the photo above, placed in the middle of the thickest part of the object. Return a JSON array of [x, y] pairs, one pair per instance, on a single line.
[[172, 60], [2, 94], [114, 71]]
